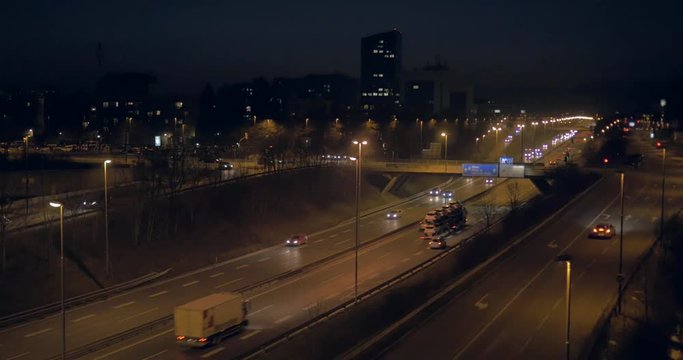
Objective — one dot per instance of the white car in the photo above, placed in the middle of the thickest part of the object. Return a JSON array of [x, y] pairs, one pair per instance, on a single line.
[[394, 214], [438, 243]]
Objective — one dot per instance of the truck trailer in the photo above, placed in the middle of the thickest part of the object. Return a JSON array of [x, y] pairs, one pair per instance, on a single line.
[[210, 319]]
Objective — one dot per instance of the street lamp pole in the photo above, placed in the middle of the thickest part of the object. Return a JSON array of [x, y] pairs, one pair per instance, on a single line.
[[445, 153], [521, 142], [620, 276], [358, 176], [61, 266], [661, 214], [568, 293], [106, 219]]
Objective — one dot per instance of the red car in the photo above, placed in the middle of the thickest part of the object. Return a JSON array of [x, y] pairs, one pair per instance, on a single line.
[[296, 240], [602, 231]]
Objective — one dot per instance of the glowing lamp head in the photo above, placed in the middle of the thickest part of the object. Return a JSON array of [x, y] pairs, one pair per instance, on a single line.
[[55, 204], [107, 161]]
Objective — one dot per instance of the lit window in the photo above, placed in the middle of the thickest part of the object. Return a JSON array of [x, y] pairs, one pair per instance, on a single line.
[[28, 104], [391, 56], [116, 104], [380, 89], [105, 104], [157, 113], [374, 51], [381, 75], [416, 87], [374, 94], [365, 94], [381, 41], [381, 51]]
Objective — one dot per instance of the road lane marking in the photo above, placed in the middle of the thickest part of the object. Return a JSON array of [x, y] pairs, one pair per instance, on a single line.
[[139, 314], [627, 217], [604, 251], [330, 297], [347, 230], [18, 356], [310, 306], [591, 264], [480, 304], [159, 293], [552, 244], [283, 319], [526, 343], [123, 348], [124, 305], [331, 278], [333, 235], [545, 318], [580, 275], [213, 352], [654, 218], [390, 267], [261, 309], [190, 283], [418, 253], [37, 333], [228, 283], [405, 259], [82, 318], [247, 336], [155, 355], [242, 266], [384, 255], [341, 242], [264, 259], [318, 241], [216, 274]]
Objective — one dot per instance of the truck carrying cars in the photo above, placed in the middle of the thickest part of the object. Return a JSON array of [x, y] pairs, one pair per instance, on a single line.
[[209, 319]]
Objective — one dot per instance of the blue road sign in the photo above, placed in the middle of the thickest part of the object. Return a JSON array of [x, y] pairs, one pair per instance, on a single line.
[[507, 160], [480, 170]]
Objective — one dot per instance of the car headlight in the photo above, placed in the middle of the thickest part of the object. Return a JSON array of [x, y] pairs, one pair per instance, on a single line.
[[287, 241], [296, 241]]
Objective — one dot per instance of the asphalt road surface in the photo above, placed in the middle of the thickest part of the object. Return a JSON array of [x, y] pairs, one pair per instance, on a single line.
[[518, 310]]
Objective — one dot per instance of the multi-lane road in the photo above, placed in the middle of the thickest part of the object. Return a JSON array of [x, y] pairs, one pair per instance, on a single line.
[[518, 309], [274, 308]]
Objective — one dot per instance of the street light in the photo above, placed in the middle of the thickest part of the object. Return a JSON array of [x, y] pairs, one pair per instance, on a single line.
[[106, 219], [358, 168], [661, 214], [59, 205], [521, 141], [620, 276], [445, 153], [568, 292]]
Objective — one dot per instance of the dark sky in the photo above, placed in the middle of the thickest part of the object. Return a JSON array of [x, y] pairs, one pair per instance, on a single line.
[[489, 42]]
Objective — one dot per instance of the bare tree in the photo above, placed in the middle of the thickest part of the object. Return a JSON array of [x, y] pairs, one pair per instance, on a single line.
[[487, 209], [513, 192]]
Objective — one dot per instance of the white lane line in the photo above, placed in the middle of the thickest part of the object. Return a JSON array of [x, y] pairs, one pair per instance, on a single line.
[[347, 230], [213, 352], [333, 236], [591, 264], [259, 310], [155, 355], [371, 275], [405, 259], [124, 305], [37, 333], [18, 356], [580, 275], [283, 319], [82, 318], [159, 293], [330, 297], [605, 250], [139, 314], [341, 242], [228, 283], [216, 274], [545, 318], [384, 255], [123, 348], [264, 259], [309, 306], [526, 343], [318, 241], [391, 266], [247, 336], [331, 278], [418, 253], [242, 266], [190, 283]]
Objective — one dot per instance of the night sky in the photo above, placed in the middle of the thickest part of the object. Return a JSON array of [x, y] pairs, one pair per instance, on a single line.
[[490, 43]]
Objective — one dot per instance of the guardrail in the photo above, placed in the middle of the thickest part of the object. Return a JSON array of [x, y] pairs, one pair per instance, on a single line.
[[78, 300]]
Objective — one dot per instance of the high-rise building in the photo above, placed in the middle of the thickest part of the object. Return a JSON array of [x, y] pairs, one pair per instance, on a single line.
[[381, 66]]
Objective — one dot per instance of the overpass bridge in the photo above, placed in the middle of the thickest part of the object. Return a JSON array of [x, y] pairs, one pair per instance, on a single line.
[[396, 171]]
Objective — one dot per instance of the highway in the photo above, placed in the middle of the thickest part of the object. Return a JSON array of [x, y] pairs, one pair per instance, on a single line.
[[97, 320], [307, 294], [518, 309]]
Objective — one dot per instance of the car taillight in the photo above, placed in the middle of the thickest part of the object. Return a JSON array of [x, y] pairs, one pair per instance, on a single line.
[[608, 230], [180, 337], [202, 340], [595, 230]]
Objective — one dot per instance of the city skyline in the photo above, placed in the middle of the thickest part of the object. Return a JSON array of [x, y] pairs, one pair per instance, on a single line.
[[187, 45]]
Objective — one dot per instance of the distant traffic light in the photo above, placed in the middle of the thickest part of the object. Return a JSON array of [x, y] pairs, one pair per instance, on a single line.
[[659, 144], [605, 161]]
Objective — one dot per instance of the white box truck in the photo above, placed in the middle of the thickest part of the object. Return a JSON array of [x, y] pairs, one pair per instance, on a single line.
[[210, 319]]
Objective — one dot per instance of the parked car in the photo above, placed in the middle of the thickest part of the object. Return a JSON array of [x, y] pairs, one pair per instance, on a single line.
[[296, 240]]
